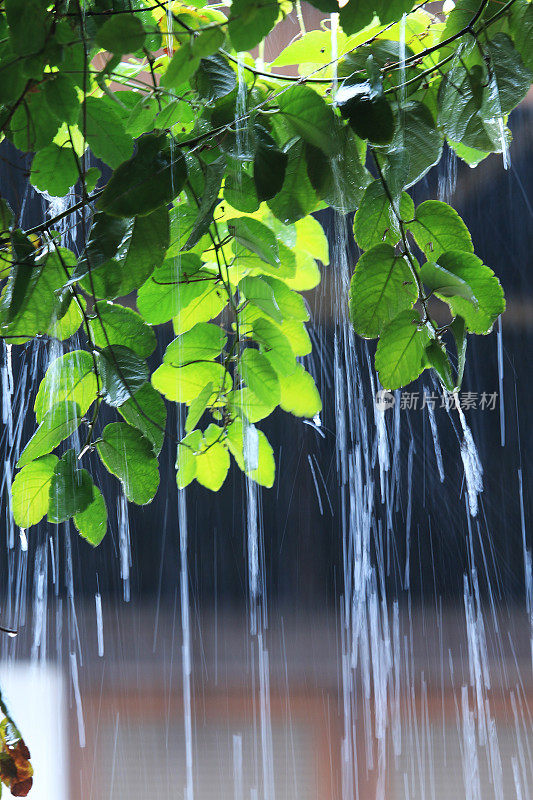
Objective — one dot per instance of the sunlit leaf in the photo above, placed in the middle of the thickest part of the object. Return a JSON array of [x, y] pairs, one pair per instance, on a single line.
[[437, 227], [113, 324], [69, 378], [30, 491], [400, 350], [485, 286], [299, 394], [126, 453], [57, 424]]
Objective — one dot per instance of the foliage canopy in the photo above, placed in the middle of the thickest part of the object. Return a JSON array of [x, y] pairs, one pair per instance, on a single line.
[[210, 165]]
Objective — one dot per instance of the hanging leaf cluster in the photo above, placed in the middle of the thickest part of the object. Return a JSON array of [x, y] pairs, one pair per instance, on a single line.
[[201, 221]]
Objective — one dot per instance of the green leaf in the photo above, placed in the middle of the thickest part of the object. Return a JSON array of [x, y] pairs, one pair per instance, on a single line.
[[105, 236], [71, 489], [484, 285], [310, 237], [375, 221], [198, 407], [254, 236], [69, 378], [240, 192], [521, 25], [28, 25], [57, 424], [182, 65], [291, 304], [143, 248], [418, 138], [23, 277], [309, 116], [121, 325], [202, 308], [208, 42], [42, 301], [105, 132], [382, 285], [153, 176], [297, 198], [175, 289], [370, 116], [212, 463], [400, 350], [69, 324], [259, 292], [183, 384], [91, 523], [122, 373], [12, 81], [275, 347], [459, 331], [437, 227], [437, 358], [270, 164], [204, 342], [146, 411], [214, 78], [142, 117], [257, 373], [186, 456], [245, 403], [126, 250], [33, 125], [259, 462], [470, 155], [122, 33], [355, 16], [210, 192], [340, 180], [445, 283], [469, 107], [250, 22], [177, 112], [62, 98], [299, 395], [30, 491], [511, 78], [126, 453], [167, 291], [54, 170]]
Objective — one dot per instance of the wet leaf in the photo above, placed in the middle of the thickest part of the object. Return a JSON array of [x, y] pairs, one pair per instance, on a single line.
[[437, 227], [122, 373], [382, 285], [70, 378], [153, 176], [30, 491], [113, 324], [299, 395], [250, 22], [126, 453], [146, 411], [71, 489], [400, 350], [57, 424], [484, 284]]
